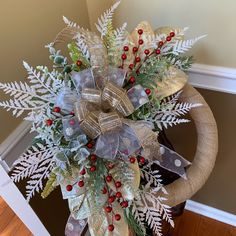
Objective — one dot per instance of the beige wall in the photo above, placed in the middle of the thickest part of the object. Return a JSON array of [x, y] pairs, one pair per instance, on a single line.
[[95, 9], [213, 17], [26, 26]]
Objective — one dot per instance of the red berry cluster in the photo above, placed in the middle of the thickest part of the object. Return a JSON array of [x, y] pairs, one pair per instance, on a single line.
[[112, 197]]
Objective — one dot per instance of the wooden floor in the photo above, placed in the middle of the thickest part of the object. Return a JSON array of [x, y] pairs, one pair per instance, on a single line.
[[189, 224], [10, 224]]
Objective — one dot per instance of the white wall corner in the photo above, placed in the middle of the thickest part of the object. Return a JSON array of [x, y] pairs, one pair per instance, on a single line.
[[15, 144], [215, 78]]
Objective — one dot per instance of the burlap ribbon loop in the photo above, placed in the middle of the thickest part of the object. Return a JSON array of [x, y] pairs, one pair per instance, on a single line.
[[109, 122], [118, 99]]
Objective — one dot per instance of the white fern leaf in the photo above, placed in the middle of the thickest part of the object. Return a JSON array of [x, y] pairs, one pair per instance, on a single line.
[[165, 212], [119, 34], [182, 46], [168, 120], [183, 108], [82, 45], [28, 163], [35, 77], [69, 23], [106, 17], [35, 184]]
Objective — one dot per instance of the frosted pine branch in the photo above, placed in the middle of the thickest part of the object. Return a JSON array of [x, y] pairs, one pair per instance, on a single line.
[[69, 23], [182, 46], [42, 81], [29, 161], [25, 98], [168, 120], [170, 110], [119, 34], [82, 45], [103, 21], [35, 184]]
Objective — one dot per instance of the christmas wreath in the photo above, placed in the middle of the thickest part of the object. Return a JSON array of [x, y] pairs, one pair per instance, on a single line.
[[97, 116]]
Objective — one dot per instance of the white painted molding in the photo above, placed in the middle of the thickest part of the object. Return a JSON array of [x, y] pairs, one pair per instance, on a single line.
[[211, 212], [215, 78], [13, 197]]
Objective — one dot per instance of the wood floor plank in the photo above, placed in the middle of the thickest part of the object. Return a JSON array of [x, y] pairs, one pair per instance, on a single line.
[[191, 224], [10, 224]]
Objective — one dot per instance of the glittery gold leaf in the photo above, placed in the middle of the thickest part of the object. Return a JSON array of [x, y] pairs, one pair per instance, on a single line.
[[172, 82], [129, 187], [99, 221]]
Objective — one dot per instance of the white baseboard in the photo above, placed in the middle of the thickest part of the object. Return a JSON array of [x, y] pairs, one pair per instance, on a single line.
[[211, 212], [14, 145], [215, 78]]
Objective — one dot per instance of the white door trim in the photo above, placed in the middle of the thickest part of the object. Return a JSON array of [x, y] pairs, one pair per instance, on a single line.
[[13, 197]]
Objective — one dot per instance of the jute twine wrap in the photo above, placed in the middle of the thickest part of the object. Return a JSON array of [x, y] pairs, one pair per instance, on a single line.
[[206, 151]]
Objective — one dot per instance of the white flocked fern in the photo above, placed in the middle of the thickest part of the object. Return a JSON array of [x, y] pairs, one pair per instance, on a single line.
[[103, 21]]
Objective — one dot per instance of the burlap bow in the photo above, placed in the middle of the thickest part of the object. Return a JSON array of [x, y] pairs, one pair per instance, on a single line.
[[101, 111]]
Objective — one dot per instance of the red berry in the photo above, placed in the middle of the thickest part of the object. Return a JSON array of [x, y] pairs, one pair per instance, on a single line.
[[124, 204], [132, 80], [72, 122], [83, 172], [142, 160], [117, 217], [72, 113], [81, 183], [108, 209], [111, 166], [140, 42], [108, 178], [160, 44], [49, 122], [111, 199], [135, 49], [93, 168], [69, 187], [172, 34], [123, 56], [111, 228], [126, 48], [137, 59], [168, 38], [89, 145], [57, 109], [140, 31], [79, 63], [104, 191], [118, 195], [158, 51], [118, 184], [146, 51], [93, 157], [131, 66], [132, 159], [148, 91]]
